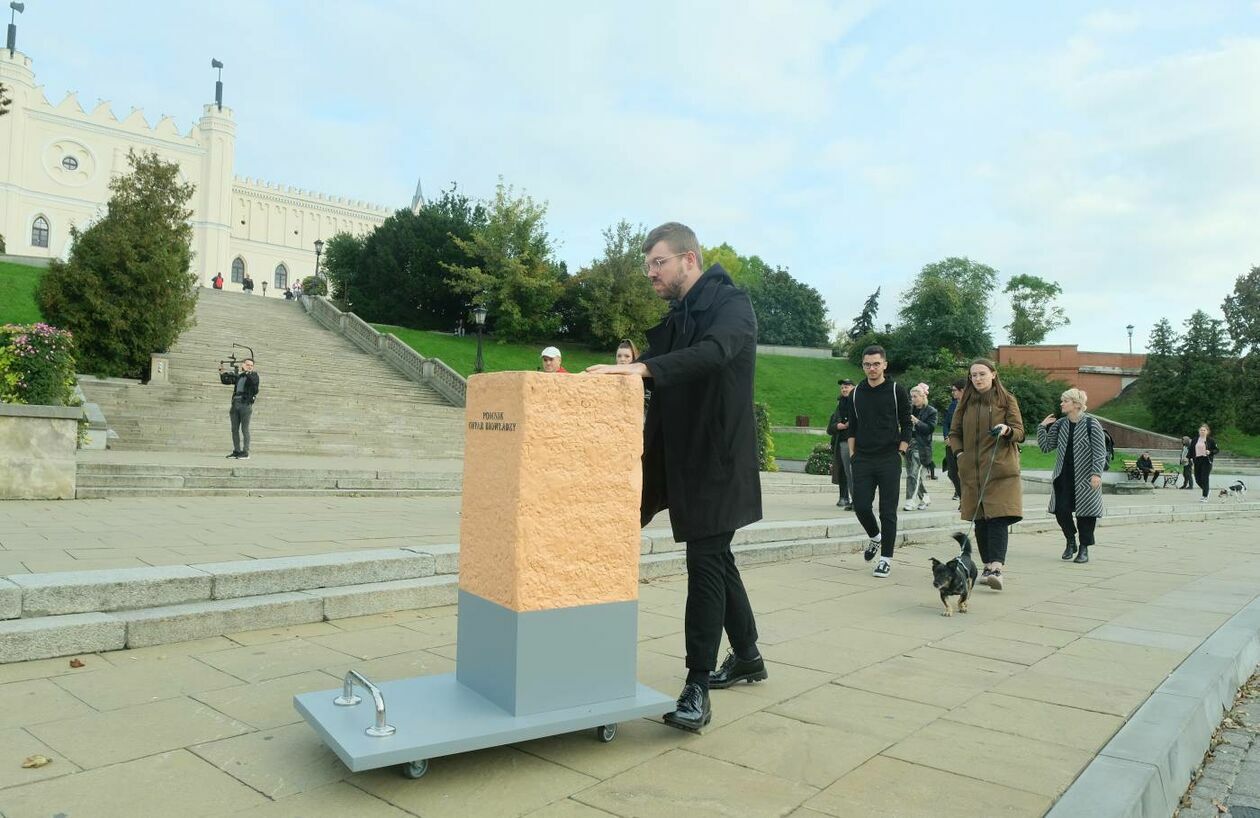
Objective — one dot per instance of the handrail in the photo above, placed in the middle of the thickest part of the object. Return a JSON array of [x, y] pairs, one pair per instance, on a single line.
[[348, 699]]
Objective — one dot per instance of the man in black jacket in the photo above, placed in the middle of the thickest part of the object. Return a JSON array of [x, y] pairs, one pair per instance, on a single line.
[[245, 390], [700, 454], [838, 427], [879, 434]]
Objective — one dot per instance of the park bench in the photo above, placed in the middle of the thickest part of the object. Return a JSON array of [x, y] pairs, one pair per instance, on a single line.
[[1157, 468]]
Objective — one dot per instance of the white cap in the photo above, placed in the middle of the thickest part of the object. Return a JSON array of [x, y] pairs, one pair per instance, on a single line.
[[551, 352]]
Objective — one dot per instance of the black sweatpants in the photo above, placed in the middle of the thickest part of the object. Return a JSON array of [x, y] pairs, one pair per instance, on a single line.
[[1203, 473], [1084, 524], [716, 600], [883, 472], [1186, 476], [951, 468], [992, 536]]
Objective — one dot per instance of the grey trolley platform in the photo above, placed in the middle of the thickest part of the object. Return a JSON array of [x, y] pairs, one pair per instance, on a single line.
[[433, 716]]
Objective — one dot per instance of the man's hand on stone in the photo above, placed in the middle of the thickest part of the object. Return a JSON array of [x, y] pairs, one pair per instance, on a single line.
[[619, 369]]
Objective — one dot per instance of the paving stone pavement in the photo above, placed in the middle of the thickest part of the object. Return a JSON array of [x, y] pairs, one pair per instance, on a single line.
[[1230, 781], [875, 705]]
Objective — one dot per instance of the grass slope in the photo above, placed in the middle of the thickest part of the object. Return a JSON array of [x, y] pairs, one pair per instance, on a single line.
[[788, 386], [17, 293], [1130, 409]]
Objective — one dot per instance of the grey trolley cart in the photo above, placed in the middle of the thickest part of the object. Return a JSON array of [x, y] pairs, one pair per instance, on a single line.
[[548, 603]]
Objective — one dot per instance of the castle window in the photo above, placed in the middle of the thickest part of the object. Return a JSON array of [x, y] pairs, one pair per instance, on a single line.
[[39, 232], [238, 270], [70, 163], [282, 276]]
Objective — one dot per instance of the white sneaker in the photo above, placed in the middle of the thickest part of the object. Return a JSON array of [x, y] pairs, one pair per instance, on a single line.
[[909, 506], [925, 502], [1202, 499], [882, 569]]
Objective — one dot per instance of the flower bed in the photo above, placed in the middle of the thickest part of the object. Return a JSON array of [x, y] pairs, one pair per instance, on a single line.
[[36, 365]]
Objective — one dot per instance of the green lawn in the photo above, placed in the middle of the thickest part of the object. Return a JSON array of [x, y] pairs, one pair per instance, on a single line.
[[1130, 409], [788, 386], [17, 293]]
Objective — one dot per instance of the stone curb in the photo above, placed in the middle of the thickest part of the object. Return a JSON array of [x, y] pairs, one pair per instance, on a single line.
[[296, 590], [1147, 765]]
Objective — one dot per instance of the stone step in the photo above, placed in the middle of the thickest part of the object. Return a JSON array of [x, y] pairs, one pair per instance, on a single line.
[[106, 492]]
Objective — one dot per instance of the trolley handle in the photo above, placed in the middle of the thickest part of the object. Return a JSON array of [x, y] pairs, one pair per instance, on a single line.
[[349, 699]]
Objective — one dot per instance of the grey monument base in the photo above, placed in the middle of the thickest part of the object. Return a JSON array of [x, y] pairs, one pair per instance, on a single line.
[[437, 716]]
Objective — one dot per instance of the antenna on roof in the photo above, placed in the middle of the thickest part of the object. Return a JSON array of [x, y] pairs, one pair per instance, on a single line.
[[218, 84]]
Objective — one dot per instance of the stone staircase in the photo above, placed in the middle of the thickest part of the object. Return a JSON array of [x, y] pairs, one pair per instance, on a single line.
[[320, 396]]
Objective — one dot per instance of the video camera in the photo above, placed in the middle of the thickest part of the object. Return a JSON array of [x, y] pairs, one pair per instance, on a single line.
[[233, 361]]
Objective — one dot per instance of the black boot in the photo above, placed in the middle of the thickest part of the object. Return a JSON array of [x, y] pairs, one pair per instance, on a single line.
[[1070, 550], [693, 709], [735, 669], [1082, 555]]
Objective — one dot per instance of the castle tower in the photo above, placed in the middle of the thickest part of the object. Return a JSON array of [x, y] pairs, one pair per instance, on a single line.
[[212, 210], [19, 83]]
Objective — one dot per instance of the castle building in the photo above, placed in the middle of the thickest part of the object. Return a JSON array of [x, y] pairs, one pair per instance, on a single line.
[[56, 162]]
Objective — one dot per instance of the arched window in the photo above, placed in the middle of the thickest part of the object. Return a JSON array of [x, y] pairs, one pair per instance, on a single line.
[[39, 232], [238, 270], [282, 276]]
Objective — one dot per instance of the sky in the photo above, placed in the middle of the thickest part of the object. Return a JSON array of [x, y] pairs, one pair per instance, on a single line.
[[1110, 147]]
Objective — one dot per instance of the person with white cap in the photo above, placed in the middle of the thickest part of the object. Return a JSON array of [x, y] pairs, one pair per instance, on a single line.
[[551, 361]]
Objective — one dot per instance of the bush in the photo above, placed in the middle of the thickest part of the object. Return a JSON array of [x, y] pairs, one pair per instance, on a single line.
[[314, 285], [819, 460], [36, 365], [765, 443], [1037, 394], [2, 247]]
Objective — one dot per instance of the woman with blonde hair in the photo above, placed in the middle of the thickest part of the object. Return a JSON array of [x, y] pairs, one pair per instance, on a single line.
[[1081, 458], [984, 432], [626, 352]]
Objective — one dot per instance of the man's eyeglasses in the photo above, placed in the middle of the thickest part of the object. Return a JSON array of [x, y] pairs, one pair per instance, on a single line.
[[872, 364], [655, 264]]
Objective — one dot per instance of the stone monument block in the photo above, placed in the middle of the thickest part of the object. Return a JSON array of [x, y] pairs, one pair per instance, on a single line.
[[549, 539]]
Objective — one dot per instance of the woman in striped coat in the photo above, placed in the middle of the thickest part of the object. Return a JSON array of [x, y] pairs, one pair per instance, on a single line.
[[1081, 460]]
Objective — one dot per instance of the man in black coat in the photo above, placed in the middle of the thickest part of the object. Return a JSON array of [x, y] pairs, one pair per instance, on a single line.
[[700, 454], [838, 428], [244, 391]]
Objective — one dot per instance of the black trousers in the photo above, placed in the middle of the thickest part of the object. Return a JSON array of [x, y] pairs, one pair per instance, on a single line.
[[883, 472], [951, 468], [1186, 477], [1203, 473], [716, 600], [992, 536], [1084, 524]]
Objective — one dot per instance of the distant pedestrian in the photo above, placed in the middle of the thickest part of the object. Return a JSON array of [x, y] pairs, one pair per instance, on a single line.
[[288, 293], [1203, 450], [244, 393], [879, 434], [551, 360], [217, 281], [951, 462], [264, 289], [1187, 465], [838, 428], [247, 285], [923, 421], [1080, 460], [1146, 467], [986, 426], [297, 289]]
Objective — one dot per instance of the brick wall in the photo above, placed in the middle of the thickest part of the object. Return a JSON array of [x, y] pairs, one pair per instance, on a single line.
[[1101, 374]]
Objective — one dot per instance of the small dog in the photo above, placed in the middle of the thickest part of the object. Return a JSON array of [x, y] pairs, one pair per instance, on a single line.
[[1236, 490], [956, 577]]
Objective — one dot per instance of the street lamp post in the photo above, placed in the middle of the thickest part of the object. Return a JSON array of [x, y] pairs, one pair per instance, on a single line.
[[479, 318], [319, 248], [1130, 329]]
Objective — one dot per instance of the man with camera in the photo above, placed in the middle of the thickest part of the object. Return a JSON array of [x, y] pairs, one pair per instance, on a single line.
[[245, 383]]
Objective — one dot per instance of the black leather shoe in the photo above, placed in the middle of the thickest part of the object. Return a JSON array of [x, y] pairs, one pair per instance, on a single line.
[[1069, 551], [693, 709], [734, 670], [1082, 555]]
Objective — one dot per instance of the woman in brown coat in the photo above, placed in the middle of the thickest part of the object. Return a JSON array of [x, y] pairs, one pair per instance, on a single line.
[[987, 417]]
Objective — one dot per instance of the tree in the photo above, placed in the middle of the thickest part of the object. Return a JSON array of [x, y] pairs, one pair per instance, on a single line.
[[613, 296], [865, 321], [1035, 313], [342, 255], [1037, 393], [1157, 385], [510, 266], [126, 291], [1242, 312], [1205, 375], [400, 273], [789, 312], [5, 102], [947, 307]]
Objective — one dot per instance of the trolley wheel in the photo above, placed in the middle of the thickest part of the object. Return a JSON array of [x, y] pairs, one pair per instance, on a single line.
[[606, 733], [415, 769]]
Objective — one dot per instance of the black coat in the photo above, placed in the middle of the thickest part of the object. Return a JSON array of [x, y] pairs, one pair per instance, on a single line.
[[1210, 444], [844, 409], [700, 436], [250, 393]]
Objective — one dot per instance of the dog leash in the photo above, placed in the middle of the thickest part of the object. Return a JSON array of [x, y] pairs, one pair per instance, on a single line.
[[971, 527]]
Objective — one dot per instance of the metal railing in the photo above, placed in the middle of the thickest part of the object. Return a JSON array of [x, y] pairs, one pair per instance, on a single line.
[[347, 698], [430, 372]]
